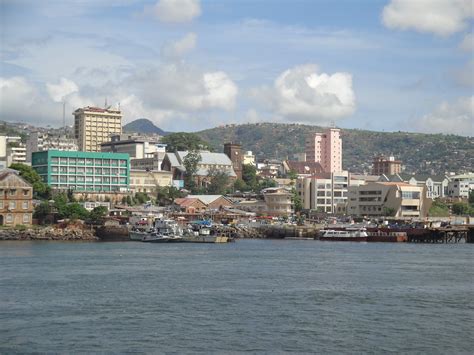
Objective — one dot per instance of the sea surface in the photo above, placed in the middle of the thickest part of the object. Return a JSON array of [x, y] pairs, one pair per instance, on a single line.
[[262, 296]]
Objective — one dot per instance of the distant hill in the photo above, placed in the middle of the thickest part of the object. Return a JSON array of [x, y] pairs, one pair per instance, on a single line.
[[420, 153], [143, 125]]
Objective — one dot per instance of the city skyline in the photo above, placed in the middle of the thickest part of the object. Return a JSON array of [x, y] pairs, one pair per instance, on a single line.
[[189, 65]]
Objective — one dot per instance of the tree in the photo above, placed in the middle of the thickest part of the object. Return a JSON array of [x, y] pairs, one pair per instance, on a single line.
[[240, 185], [42, 211], [438, 209], [461, 208], [389, 211], [141, 197], [218, 181], [40, 189], [296, 200], [265, 183], [182, 141], [166, 195], [74, 211], [292, 174], [249, 176], [98, 213], [471, 198], [190, 162]]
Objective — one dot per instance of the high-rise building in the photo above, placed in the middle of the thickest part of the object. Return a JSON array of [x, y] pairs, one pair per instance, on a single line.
[[326, 149], [94, 125], [388, 166], [234, 152]]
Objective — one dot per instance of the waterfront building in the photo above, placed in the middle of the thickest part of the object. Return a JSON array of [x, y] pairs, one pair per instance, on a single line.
[[94, 126], [137, 147], [148, 181], [397, 199], [214, 202], [249, 158], [190, 205], [324, 192], [326, 149], [40, 141], [436, 185], [460, 186], [278, 201], [387, 166], [16, 199], [234, 152], [174, 162], [87, 174]]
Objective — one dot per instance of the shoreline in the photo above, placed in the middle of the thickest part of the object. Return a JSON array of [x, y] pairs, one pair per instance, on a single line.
[[48, 233]]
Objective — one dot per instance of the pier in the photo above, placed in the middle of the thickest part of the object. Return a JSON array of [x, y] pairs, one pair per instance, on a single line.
[[446, 235]]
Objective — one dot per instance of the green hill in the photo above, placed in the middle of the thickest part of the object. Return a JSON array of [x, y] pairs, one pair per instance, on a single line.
[[420, 153]]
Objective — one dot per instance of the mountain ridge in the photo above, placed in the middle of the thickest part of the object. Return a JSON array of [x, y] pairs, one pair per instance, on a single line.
[[143, 125]]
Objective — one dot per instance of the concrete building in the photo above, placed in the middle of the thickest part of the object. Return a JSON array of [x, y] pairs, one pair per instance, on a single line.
[[324, 192], [278, 201], [461, 185], [89, 174], [388, 166], [40, 141], [94, 126], [234, 152], [153, 163], [269, 168], [326, 149], [397, 199], [436, 185], [137, 147], [249, 158], [16, 199], [148, 181]]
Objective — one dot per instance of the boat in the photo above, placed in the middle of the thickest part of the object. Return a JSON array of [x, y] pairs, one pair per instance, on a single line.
[[163, 231], [348, 235], [156, 238]]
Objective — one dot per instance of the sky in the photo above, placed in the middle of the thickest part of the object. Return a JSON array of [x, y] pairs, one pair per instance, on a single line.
[[188, 65]]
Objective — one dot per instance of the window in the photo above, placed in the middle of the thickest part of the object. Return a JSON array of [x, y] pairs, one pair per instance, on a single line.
[[12, 192], [1, 204], [72, 160], [26, 218], [9, 218], [12, 205], [25, 205], [26, 192], [89, 161], [72, 170]]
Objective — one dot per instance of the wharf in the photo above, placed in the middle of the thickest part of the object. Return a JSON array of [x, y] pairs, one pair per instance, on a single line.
[[444, 235]]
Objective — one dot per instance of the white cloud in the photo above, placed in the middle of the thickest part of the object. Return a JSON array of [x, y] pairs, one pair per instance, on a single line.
[[64, 88], [465, 75], [467, 43], [179, 48], [175, 11], [15, 93], [182, 87], [441, 17], [454, 118], [302, 94]]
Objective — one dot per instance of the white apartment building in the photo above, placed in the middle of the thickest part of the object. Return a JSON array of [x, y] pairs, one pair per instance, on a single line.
[[461, 185], [40, 141], [248, 158], [397, 199], [138, 147], [324, 192], [94, 126], [278, 201], [12, 150]]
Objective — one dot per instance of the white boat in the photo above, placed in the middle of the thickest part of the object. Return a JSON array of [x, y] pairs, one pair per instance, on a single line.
[[348, 235]]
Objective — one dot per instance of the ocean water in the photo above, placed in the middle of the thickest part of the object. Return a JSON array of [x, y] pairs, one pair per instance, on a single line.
[[259, 296]]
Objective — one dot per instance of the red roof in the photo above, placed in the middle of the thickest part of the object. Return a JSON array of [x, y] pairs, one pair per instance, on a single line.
[[305, 167]]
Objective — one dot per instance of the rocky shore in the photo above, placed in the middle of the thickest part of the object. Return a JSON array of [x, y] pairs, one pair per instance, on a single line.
[[48, 233]]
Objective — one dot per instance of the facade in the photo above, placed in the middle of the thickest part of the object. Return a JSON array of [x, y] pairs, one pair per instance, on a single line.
[[85, 172], [388, 166], [94, 126], [278, 201], [136, 147], [152, 163], [436, 186], [40, 141], [13, 150], [16, 199], [190, 205], [174, 162], [325, 192], [148, 181], [326, 149], [461, 185], [234, 152], [397, 199], [249, 158]]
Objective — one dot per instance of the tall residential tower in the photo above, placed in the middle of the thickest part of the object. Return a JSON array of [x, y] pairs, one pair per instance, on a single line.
[[94, 125], [326, 149]]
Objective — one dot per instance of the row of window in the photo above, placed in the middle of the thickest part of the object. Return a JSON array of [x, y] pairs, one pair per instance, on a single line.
[[9, 218], [88, 170], [89, 161], [105, 188], [12, 205], [88, 179], [15, 192]]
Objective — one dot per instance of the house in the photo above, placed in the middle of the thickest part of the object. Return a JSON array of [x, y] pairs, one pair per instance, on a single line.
[[214, 202], [278, 201], [190, 205], [16, 199]]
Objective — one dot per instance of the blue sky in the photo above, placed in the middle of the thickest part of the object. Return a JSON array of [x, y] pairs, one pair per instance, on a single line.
[[189, 65]]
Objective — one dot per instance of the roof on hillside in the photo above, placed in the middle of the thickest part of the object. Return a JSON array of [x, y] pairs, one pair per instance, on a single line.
[[207, 199], [208, 158], [186, 201]]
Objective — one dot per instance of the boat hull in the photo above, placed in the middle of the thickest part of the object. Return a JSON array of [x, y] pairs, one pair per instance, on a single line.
[[344, 239]]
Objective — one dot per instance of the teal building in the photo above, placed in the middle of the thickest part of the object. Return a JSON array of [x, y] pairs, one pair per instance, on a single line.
[[83, 171]]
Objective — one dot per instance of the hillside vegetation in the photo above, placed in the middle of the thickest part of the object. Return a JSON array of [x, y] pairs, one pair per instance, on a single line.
[[420, 153]]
